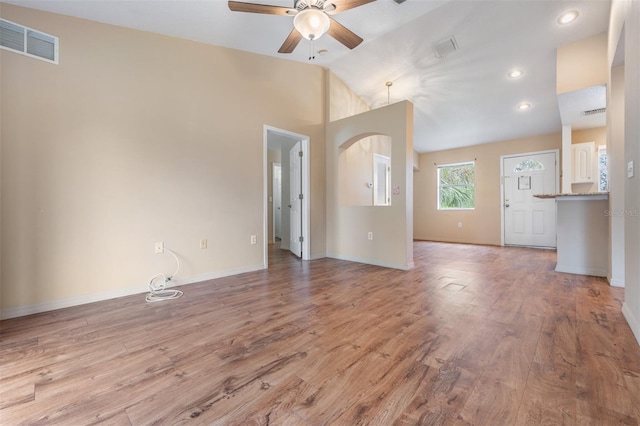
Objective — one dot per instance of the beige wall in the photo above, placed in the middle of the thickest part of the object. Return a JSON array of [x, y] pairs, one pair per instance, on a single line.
[[625, 24], [481, 225], [597, 135], [342, 101], [136, 138], [582, 64], [348, 226]]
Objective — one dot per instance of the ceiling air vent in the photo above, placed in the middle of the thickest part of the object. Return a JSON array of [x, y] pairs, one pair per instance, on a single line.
[[445, 47], [27, 41], [399, 1], [594, 111]]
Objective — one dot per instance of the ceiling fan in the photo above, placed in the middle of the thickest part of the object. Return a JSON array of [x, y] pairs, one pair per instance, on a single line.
[[311, 19]]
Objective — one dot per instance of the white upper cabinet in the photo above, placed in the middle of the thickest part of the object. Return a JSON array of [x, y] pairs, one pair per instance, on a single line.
[[583, 161]]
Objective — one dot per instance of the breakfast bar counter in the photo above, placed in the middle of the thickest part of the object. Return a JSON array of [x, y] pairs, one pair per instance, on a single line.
[[582, 225]]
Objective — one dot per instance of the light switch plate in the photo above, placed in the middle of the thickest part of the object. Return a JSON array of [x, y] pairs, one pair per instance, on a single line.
[[630, 169]]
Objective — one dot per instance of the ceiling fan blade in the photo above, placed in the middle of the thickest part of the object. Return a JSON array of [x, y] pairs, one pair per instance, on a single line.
[[291, 42], [238, 6], [342, 5], [343, 34]]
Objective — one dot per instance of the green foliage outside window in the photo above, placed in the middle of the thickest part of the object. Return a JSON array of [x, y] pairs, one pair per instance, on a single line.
[[456, 186]]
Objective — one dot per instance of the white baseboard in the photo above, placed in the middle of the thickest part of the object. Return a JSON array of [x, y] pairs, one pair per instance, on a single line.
[[614, 282], [371, 262], [581, 271], [20, 311], [634, 323]]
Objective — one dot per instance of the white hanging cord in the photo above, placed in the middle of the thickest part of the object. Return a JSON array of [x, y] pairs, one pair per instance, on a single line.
[[158, 292]]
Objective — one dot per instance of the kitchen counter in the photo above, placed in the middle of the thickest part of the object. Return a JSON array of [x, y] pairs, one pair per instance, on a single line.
[[582, 232]]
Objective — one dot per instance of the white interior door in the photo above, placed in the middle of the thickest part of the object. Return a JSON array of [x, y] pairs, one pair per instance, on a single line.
[[277, 200], [530, 221], [381, 180], [295, 201]]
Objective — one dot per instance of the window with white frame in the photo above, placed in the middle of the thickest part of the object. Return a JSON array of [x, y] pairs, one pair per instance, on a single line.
[[456, 186]]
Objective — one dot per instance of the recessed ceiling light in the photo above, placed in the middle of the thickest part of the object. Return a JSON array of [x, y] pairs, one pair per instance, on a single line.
[[568, 17], [515, 73], [523, 106]]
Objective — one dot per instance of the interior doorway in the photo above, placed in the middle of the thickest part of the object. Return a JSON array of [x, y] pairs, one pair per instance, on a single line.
[[528, 220], [279, 144], [276, 190]]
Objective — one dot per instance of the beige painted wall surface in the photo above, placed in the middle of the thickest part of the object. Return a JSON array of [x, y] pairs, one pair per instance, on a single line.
[[479, 226], [597, 135], [582, 64], [348, 226], [342, 101], [136, 138]]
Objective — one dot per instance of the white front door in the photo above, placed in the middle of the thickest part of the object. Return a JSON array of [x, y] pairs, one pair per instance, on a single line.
[[295, 202], [530, 221]]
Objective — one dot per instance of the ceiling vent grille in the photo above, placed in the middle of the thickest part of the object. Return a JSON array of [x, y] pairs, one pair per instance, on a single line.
[[399, 1], [20, 39], [444, 48], [594, 111]]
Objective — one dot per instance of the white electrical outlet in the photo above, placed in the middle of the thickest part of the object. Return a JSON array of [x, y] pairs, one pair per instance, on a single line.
[[459, 224], [254, 240], [159, 247], [370, 235], [630, 169], [203, 243]]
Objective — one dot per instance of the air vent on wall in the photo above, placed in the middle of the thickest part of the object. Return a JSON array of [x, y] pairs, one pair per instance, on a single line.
[[594, 111], [20, 39], [445, 47]]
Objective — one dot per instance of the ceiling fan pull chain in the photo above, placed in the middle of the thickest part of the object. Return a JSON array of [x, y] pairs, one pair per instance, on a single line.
[[312, 56]]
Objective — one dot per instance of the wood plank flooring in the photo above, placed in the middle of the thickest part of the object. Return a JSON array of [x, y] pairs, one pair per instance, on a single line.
[[473, 335]]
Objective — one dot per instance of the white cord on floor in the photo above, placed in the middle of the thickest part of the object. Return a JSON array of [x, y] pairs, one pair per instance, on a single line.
[[158, 292]]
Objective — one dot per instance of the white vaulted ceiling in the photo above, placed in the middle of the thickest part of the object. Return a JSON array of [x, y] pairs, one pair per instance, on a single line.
[[463, 99]]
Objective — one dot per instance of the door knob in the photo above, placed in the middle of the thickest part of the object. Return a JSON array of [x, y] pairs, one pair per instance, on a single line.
[[289, 205], [506, 205]]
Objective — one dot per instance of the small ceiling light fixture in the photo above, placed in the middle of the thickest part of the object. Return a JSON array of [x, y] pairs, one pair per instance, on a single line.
[[523, 106], [516, 73], [312, 23], [568, 17]]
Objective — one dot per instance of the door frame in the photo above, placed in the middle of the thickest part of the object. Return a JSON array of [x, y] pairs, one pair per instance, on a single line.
[[306, 190], [524, 154]]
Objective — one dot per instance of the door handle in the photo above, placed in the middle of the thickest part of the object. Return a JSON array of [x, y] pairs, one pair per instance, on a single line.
[[289, 205], [506, 205]]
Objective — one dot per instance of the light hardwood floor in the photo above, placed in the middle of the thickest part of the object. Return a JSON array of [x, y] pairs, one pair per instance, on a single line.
[[473, 335]]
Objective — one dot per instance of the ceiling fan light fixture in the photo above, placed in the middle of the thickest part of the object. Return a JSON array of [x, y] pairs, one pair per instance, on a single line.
[[312, 23]]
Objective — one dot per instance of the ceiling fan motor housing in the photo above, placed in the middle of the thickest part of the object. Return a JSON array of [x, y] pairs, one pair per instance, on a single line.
[[306, 4]]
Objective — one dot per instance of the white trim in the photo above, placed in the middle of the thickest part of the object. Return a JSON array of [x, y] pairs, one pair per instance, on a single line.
[[581, 271], [613, 282], [306, 190], [20, 311], [634, 323], [372, 262], [502, 158]]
